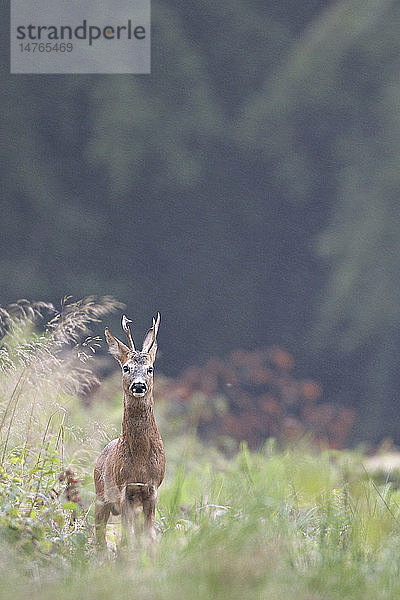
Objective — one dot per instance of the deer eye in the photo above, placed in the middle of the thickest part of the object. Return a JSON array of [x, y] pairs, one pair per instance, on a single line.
[[150, 370], [125, 369]]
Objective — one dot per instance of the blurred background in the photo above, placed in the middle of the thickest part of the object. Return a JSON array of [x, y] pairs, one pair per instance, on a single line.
[[248, 189]]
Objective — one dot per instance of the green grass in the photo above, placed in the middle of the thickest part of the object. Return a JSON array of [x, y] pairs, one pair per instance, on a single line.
[[260, 525], [296, 523]]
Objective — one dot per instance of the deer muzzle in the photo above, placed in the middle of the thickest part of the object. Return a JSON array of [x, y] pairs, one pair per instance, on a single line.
[[138, 388]]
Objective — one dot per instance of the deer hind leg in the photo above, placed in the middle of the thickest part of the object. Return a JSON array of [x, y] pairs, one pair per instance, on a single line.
[[101, 516]]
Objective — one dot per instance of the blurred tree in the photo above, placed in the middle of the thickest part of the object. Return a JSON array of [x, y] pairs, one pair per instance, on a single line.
[[200, 190], [333, 130], [131, 188]]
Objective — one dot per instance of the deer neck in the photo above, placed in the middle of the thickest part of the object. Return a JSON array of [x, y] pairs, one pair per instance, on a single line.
[[138, 423]]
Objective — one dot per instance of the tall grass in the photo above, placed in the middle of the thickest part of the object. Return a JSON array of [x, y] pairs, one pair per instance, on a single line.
[[274, 523]]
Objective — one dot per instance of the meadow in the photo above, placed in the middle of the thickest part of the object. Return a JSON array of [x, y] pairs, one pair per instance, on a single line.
[[284, 522]]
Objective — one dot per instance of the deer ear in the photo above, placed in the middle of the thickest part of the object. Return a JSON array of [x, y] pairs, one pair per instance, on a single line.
[[156, 324], [116, 348], [150, 340]]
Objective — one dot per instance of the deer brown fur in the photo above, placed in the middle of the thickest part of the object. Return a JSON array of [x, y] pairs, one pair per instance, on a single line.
[[130, 469]]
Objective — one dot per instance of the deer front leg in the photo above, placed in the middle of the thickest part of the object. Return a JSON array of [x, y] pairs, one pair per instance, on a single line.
[[126, 524], [101, 516], [149, 509], [131, 500]]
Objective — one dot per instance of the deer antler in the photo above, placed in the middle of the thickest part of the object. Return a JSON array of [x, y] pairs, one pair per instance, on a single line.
[[127, 330]]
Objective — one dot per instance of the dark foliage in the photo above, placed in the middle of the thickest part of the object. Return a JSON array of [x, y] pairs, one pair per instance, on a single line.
[[247, 189], [252, 396]]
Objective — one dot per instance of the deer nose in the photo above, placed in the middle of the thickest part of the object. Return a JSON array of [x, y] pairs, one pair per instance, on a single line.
[[138, 387]]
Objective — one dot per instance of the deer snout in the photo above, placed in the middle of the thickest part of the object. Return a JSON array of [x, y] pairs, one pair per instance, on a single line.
[[138, 388]]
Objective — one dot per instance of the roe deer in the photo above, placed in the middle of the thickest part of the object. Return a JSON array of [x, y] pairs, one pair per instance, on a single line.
[[130, 469]]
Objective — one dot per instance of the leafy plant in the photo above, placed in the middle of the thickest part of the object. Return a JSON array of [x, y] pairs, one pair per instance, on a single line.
[[252, 396]]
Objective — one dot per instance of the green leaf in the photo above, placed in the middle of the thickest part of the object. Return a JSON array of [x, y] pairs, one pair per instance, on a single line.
[[70, 506]]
